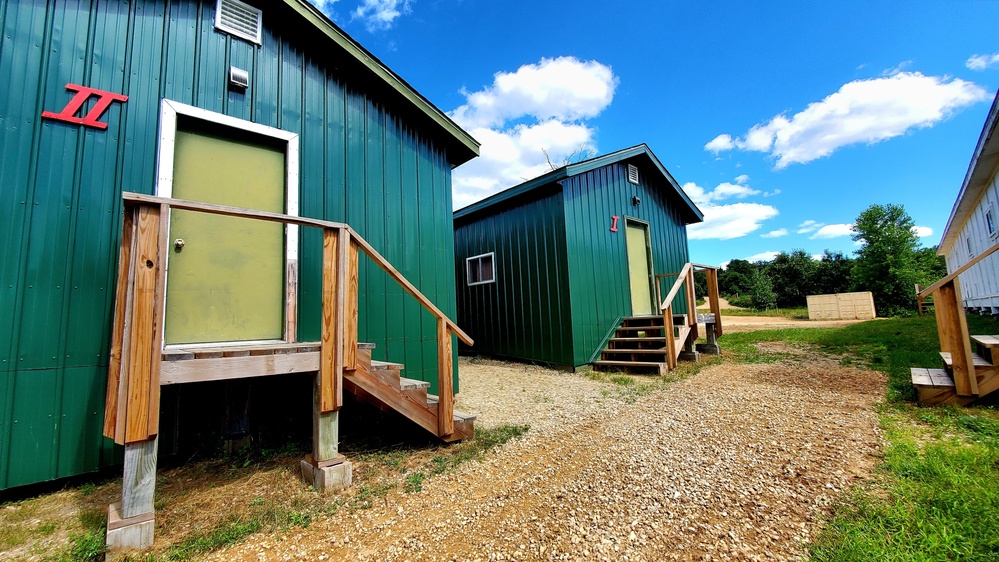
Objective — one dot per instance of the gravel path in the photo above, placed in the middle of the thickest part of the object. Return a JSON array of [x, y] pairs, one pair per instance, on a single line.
[[737, 462]]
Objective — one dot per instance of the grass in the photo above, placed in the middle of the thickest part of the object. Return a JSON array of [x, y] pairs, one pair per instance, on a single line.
[[935, 494], [792, 313]]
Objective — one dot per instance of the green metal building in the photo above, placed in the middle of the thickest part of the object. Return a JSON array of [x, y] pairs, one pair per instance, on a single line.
[[547, 268], [85, 89]]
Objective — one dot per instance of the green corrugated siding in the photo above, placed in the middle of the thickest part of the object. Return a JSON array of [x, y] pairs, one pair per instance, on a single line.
[[361, 161], [597, 257], [525, 313]]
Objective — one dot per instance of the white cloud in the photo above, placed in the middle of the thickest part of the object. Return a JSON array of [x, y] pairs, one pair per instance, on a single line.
[[862, 111], [809, 226], [762, 256], [832, 231], [563, 88], [539, 107], [922, 231], [742, 179], [771, 193], [726, 221], [378, 15], [818, 257], [775, 233], [981, 62]]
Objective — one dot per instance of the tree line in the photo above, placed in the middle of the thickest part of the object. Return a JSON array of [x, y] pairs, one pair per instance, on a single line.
[[889, 263]]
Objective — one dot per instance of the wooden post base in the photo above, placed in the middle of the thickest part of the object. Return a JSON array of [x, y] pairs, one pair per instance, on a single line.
[[130, 533], [690, 356], [711, 347], [326, 478]]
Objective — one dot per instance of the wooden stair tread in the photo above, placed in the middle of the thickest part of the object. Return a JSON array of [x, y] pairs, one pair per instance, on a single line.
[[639, 328], [387, 365], [931, 377], [649, 338], [412, 384], [460, 416], [623, 350], [185, 353], [986, 341], [629, 363], [979, 361]]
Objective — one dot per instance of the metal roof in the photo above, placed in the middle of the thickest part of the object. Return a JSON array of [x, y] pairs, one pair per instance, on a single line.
[[980, 173], [466, 146], [580, 168]]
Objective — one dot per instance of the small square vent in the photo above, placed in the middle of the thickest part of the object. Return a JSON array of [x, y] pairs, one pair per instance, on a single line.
[[239, 78], [239, 19], [633, 174]]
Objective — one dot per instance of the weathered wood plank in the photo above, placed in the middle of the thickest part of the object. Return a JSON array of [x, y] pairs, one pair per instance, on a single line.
[[225, 210], [325, 426], [113, 407], [445, 374], [225, 368], [139, 481], [156, 345]]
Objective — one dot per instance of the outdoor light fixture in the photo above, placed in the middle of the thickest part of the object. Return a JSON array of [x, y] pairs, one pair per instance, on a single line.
[[635, 200]]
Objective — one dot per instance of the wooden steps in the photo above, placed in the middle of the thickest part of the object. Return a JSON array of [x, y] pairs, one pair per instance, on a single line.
[[937, 386], [640, 345], [380, 383]]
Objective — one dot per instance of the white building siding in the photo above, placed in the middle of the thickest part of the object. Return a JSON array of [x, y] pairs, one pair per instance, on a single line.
[[980, 284]]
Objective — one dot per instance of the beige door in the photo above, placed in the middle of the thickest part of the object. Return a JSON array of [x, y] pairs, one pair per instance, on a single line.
[[638, 268], [225, 280]]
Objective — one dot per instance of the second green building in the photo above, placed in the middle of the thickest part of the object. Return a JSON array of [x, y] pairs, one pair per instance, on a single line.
[[547, 268]]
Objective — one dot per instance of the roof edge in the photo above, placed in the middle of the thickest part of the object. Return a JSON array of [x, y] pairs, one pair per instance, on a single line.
[[369, 61], [985, 140], [581, 168]]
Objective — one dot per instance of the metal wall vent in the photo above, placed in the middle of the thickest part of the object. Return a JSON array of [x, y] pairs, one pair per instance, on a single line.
[[239, 19], [239, 78], [633, 174]]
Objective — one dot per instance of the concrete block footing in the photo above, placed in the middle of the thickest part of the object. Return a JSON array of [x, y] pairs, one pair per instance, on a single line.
[[690, 356], [709, 349], [129, 533], [325, 478]]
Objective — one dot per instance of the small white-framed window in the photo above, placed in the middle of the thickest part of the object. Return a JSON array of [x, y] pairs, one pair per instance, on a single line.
[[633, 174], [480, 269], [239, 19], [968, 243], [990, 222]]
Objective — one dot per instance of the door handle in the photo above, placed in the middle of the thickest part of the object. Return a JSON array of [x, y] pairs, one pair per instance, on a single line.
[[179, 244]]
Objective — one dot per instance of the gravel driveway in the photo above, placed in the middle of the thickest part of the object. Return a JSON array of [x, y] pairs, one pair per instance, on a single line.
[[736, 462]]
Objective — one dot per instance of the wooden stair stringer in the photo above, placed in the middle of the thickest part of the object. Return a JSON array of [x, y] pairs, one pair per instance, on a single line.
[[380, 384]]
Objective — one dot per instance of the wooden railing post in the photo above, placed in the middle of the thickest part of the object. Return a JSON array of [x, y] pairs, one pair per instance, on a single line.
[[713, 299], [445, 373], [350, 312], [952, 328], [691, 305], [670, 341], [333, 325]]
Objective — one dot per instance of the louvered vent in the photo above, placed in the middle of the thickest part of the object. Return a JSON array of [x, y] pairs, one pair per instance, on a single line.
[[239, 19], [633, 174]]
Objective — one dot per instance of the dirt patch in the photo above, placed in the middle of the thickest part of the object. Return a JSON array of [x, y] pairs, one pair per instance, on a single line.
[[733, 324]]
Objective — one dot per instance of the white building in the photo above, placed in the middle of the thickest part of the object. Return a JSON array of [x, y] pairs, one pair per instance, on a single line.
[[973, 226]]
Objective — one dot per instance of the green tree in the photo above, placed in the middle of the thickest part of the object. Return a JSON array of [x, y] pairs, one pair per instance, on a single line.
[[734, 279], [931, 266], [761, 291], [832, 274], [792, 277], [887, 262]]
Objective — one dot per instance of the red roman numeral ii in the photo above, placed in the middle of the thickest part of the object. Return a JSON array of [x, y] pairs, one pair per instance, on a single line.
[[83, 93]]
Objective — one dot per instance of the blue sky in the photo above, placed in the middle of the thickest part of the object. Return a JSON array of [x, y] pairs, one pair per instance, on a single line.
[[782, 120]]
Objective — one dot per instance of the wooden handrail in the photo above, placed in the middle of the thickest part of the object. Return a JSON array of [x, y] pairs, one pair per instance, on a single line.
[[225, 210], [925, 292], [681, 278]]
